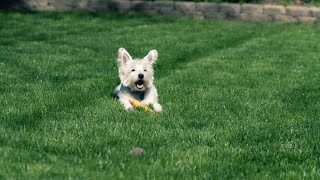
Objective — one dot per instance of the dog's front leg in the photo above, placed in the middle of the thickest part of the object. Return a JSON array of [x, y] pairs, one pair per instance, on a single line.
[[157, 107], [126, 103]]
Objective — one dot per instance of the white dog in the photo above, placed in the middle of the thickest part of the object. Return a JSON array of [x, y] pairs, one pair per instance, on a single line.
[[137, 80]]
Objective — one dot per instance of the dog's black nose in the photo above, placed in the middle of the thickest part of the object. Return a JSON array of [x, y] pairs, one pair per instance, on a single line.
[[141, 76]]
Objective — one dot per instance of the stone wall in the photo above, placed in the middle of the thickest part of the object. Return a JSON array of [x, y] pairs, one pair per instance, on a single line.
[[246, 12]]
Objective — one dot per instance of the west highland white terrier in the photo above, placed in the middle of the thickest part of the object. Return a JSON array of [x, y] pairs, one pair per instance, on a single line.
[[137, 80]]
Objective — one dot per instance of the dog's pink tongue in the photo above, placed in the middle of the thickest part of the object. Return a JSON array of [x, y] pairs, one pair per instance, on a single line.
[[139, 86]]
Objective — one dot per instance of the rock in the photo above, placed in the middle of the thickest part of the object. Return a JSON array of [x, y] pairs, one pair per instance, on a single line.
[[229, 9], [284, 18], [315, 12], [255, 17], [251, 9], [187, 8], [207, 7], [298, 11], [309, 20], [274, 9], [137, 152]]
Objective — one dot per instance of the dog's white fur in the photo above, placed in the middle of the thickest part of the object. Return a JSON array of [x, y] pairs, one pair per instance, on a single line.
[[132, 85]]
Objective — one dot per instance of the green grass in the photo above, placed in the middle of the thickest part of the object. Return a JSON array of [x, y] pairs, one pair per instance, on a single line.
[[241, 100]]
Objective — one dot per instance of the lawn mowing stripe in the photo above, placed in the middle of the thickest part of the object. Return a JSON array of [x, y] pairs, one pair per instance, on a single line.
[[237, 103]]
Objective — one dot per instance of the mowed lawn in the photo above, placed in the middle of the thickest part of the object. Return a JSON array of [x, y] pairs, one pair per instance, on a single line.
[[240, 99]]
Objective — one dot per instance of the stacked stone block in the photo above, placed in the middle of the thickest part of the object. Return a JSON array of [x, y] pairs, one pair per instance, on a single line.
[[246, 12]]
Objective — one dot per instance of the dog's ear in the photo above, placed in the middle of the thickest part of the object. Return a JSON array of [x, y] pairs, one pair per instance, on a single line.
[[123, 56], [152, 56]]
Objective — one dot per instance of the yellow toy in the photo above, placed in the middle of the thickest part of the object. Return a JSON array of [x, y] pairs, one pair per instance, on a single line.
[[137, 104]]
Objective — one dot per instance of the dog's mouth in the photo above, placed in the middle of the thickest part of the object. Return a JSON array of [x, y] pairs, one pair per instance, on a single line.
[[140, 84]]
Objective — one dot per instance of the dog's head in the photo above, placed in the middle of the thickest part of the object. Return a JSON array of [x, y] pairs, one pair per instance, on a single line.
[[136, 74]]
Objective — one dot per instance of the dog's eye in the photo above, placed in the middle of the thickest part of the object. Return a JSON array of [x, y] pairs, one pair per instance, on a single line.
[[133, 70], [145, 70]]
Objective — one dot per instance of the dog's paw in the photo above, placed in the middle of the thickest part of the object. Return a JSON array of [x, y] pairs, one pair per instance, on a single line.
[[157, 107], [129, 108]]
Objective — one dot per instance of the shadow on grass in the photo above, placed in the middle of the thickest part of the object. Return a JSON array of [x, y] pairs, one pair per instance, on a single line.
[[303, 98], [30, 120]]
